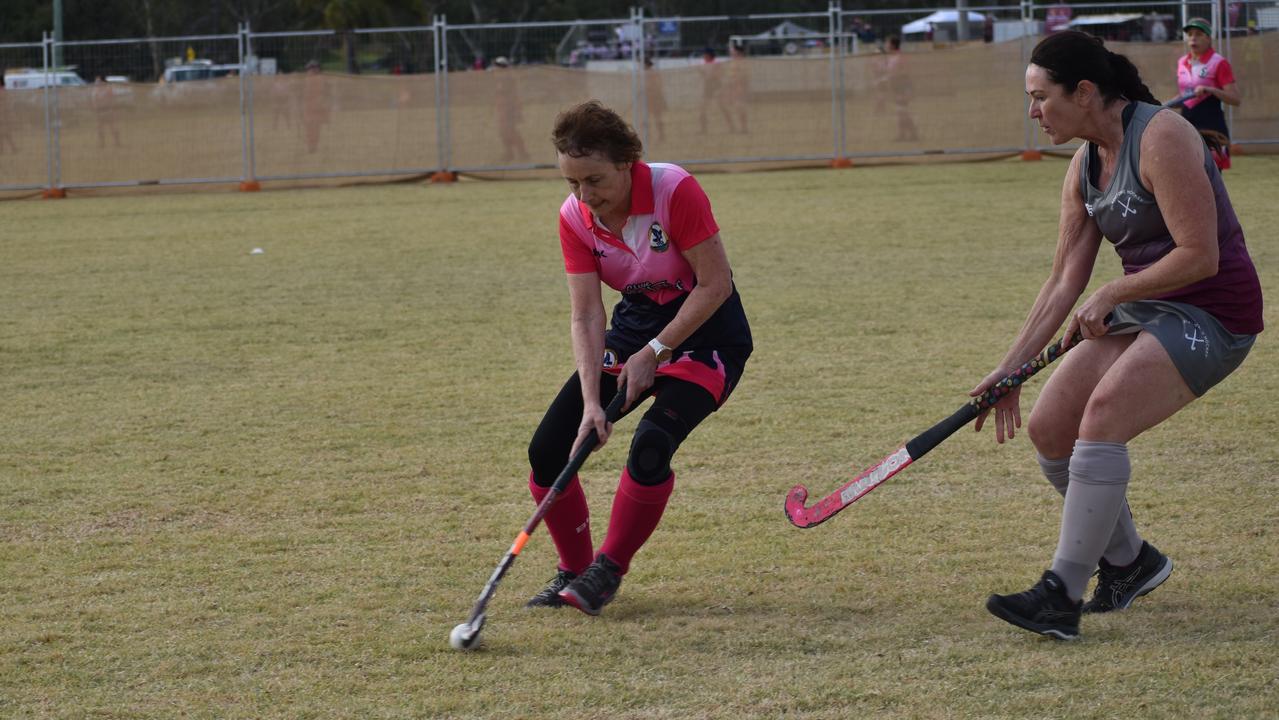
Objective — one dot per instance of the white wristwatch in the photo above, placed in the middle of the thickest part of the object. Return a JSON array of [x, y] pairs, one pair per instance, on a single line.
[[662, 352]]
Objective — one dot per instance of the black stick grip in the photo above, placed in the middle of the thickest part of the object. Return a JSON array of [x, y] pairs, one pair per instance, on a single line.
[[611, 414], [933, 436]]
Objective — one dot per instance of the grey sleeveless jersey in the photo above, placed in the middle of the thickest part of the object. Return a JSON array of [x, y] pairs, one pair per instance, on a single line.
[[1126, 211], [1127, 215]]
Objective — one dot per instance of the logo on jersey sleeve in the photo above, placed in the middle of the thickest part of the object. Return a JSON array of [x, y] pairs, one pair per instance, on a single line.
[[657, 238]]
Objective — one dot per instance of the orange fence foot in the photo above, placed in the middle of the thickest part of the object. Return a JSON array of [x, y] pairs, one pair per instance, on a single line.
[[250, 186], [444, 176], [1236, 150], [1031, 155], [53, 194], [841, 162]]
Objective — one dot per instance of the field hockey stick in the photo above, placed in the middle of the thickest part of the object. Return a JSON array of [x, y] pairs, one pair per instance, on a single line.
[[1179, 101], [465, 636], [876, 474]]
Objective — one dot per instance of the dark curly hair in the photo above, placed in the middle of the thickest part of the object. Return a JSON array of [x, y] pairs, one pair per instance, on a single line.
[[592, 128], [1072, 56]]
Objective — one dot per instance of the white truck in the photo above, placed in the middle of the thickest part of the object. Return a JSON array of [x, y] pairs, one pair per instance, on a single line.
[[34, 79]]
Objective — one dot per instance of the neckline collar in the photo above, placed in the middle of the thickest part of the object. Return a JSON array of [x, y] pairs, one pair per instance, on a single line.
[[642, 202]]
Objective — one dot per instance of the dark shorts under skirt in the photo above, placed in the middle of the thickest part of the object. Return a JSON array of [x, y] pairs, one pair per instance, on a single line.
[[1203, 351]]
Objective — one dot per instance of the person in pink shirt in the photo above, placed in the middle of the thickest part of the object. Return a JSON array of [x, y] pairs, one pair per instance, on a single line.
[[678, 334], [1206, 80]]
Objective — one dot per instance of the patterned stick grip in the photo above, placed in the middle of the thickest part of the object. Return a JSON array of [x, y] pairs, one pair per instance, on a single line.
[[1022, 374]]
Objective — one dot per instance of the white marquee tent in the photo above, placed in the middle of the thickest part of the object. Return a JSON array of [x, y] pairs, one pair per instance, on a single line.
[[941, 17]]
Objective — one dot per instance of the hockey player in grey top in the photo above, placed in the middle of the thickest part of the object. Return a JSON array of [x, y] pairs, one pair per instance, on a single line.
[[1182, 317]]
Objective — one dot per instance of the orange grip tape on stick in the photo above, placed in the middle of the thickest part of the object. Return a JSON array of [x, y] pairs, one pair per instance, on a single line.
[[518, 545]]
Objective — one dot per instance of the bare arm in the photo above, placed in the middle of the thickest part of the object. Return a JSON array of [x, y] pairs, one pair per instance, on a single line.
[[1172, 158], [586, 327], [1078, 239], [1228, 94], [714, 284]]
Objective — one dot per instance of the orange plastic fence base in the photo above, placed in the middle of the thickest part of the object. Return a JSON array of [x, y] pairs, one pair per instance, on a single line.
[[444, 176], [1236, 150], [53, 194], [1031, 155], [841, 162], [250, 186]]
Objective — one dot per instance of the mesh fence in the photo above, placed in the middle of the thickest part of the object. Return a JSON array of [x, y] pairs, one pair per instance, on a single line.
[[700, 90], [344, 104], [143, 127], [24, 132]]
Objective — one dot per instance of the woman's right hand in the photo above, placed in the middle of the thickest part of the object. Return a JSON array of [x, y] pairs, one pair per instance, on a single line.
[[592, 419], [1007, 410]]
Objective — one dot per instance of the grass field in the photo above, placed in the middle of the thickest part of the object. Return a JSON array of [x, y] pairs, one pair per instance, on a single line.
[[266, 486]]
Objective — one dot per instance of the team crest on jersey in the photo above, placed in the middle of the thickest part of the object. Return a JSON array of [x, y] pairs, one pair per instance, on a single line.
[[610, 358], [657, 238], [1128, 202]]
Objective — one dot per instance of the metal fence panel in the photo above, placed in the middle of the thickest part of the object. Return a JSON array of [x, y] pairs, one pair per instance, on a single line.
[[932, 93], [501, 106], [146, 128], [1252, 40], [740, 89], [24, 134], [344, 104]]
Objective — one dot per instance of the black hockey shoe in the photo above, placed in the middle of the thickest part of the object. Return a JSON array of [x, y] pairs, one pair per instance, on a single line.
[[550, 595], [595, 587], [1045, 609], [1117, 586]]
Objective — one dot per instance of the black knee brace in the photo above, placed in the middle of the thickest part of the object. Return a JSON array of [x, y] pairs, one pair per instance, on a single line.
[[650, 460]]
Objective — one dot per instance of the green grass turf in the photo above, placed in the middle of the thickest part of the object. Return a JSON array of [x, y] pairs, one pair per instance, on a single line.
[[266, 486]]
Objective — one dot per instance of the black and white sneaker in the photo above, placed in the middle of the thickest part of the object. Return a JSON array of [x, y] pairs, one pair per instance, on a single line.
[[595, 587], [550, 595], [1045, 609], [1117, 586]]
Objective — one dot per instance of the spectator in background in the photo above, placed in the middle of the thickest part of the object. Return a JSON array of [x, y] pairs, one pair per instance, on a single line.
[[894, 82], [104, 111], [737, 89], [317, 105], [655, 96], [1206, 80], [282, 100], [6, 124], [1158, 32], [509, 110], [711, 81]]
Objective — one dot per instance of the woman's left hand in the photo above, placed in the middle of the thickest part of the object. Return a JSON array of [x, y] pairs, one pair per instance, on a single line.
[[638, 374]]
